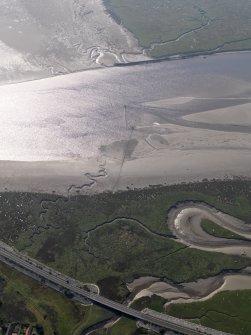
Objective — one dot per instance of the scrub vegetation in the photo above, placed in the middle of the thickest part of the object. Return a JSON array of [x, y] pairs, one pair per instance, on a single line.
[[27, 301], [185, 27], [111, 239]]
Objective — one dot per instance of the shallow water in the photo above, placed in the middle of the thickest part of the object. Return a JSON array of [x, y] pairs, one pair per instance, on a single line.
[[71, 116]]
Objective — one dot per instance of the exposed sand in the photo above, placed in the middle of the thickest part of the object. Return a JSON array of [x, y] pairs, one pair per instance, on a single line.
[[191, 290], [200, 290], [166, 168], [176, 166], [231, 283], [164, 290], [183, 155], [184, 221], [168, 102], [48, 177], [236, 115], [139, 282]]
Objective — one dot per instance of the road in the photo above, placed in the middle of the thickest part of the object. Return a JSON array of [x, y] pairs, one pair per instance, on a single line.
[[63, 283]]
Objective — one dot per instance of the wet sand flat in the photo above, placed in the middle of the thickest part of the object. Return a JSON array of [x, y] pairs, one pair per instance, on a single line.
[[237, 115], [52, 129]]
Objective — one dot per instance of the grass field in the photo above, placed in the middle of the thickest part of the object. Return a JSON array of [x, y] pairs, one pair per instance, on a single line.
[[172, 27], [124, 326], [79, 237], [218, 231], [24, 300], [228, 311], [112, 238]]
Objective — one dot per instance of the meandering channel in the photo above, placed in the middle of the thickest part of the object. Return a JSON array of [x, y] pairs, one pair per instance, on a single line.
[[184, 221]]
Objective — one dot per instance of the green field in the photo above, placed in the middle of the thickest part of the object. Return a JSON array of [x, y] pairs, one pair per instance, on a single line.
[[24, 300], [218, 231], [111, 238], [226, 311], [79, 237], [174, 27], [126, 327]]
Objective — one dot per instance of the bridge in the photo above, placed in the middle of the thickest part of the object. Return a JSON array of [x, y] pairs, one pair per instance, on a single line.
[[76, 291]]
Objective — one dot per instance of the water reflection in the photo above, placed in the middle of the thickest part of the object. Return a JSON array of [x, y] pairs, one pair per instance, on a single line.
[[72, 116]]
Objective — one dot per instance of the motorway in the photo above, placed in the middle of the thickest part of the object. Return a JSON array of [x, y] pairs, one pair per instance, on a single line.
[[63, 283]]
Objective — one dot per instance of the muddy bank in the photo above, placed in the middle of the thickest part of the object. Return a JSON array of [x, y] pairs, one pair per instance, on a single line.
[[185, 223]]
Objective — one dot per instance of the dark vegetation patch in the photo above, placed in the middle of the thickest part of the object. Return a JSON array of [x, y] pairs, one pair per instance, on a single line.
[[12, 309], [47, 252], [112, 288], [154, 302], [54, 245]]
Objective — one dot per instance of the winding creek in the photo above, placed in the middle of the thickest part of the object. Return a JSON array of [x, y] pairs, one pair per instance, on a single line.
[[184, 220]]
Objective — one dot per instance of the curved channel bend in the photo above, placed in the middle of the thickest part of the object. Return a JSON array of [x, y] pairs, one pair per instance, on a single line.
[[184, 221]]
